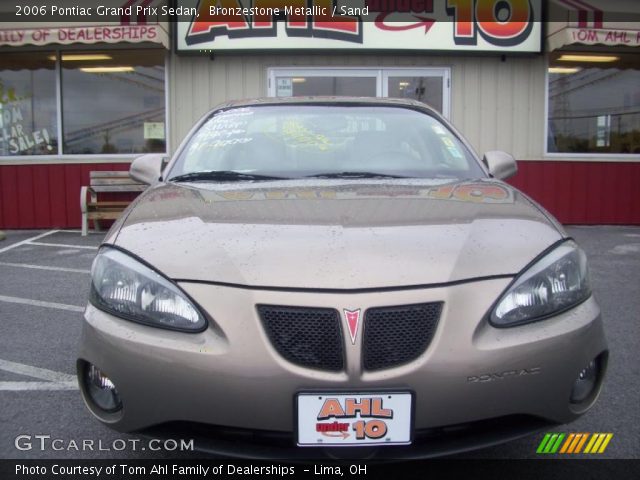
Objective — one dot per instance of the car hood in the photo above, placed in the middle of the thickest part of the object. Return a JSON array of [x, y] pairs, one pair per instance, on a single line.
[[335, 234]]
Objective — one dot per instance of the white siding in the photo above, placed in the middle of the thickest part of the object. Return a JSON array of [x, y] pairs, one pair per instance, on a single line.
[[498, 105]]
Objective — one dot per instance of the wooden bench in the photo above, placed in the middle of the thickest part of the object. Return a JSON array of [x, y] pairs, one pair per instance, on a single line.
[[105, 182]]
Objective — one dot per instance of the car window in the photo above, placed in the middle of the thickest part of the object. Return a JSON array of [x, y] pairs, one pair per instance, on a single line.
[[301, 140]]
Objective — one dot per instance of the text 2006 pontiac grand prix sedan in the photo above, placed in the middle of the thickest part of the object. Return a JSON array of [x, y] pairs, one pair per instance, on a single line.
[[314, 273]]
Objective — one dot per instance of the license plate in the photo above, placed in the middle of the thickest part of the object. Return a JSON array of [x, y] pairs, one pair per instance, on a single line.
[[354, 419]]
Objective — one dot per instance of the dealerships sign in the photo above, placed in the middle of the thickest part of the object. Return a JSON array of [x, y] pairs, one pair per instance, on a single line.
[[430, 25]]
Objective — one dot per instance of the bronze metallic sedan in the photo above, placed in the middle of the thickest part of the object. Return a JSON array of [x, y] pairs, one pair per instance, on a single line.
[[337, 276]]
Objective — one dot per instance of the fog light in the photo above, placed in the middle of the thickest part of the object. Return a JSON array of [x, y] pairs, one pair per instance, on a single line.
[[586, 382], [101, 389]]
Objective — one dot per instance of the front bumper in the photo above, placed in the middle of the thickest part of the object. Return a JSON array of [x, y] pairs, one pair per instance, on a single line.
[[230, 375]]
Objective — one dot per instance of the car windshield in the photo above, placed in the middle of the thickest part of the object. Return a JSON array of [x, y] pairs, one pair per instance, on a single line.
[[325, 141]]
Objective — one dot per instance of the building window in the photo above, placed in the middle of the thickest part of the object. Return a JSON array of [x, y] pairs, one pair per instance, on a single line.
[[28, 119], [430, 85], [594, 103], [81, 102], [113, 102]]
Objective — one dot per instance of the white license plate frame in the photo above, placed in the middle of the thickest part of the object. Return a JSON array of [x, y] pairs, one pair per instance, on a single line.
[[333, 419]]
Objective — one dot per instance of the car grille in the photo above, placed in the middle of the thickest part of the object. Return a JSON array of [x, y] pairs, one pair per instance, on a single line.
[[309, 337], [397, 335]]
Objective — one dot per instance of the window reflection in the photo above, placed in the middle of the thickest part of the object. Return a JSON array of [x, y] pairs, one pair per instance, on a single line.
[[594, 103], [113, 102]]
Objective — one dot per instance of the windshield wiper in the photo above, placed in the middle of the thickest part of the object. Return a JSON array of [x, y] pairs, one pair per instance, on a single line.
[[222, 176], [354, 175]]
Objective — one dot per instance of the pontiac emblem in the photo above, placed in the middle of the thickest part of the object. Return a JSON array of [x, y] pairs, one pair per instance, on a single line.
[[353, 319]]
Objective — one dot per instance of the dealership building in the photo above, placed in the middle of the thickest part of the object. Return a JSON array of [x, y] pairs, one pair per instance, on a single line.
[[554, 82]]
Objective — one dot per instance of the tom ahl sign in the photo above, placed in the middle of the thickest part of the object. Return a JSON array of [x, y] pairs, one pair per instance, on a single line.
[[479, 25]]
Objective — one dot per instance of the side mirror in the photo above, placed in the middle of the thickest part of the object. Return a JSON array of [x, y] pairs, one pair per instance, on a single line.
[[147, 168], [500, 164]]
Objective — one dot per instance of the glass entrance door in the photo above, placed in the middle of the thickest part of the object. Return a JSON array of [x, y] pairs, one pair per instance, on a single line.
[[429, 85]]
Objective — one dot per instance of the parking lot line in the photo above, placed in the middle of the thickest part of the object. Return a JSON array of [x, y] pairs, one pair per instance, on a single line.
[[35, 372], [103, 232], [22, 386], [44, 267], [62, 245], [52, 380], [40, 303], [19, 244]]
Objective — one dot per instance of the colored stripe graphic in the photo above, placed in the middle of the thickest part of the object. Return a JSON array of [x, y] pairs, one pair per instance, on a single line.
[[550, 443], [543, 443], [593, 439], [581, 443], [598, 443], [556, 445], [604, 445], [574, 442], [568, 442]]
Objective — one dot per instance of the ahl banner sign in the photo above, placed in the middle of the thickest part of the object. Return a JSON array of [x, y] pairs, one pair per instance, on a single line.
[[429, 25]]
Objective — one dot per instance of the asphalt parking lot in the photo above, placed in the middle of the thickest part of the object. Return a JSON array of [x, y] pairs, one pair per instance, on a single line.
[[44, 285]]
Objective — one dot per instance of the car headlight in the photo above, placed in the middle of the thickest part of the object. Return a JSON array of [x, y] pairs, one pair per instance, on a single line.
[[554, 283], [129, 289]]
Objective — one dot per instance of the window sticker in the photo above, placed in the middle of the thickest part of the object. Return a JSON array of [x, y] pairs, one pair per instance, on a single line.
[[284, 87], [154, 130], [296, 133], [28, 122], [237, 112]]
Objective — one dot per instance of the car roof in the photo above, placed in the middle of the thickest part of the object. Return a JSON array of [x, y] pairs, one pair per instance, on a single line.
[[337, 100]]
